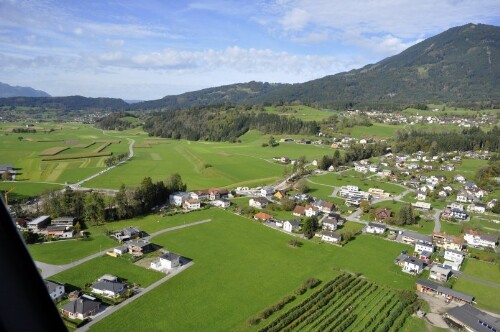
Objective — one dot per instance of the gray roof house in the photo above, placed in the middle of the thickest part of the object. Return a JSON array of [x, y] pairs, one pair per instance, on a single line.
[[108, 289], [80, 308]]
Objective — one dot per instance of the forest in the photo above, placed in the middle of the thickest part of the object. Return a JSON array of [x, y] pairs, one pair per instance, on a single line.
[[223, 124]]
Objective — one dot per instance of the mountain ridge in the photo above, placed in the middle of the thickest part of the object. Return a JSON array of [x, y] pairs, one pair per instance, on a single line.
[[7, 90]]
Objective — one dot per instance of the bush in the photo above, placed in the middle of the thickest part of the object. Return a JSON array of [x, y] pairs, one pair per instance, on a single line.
[[253, 321], [311, 283]]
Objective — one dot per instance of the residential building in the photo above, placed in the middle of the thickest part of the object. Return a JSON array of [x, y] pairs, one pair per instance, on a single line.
[[439, 273], [222, 203], [267, 191], [127, 233], [63, 221], [191, 204], [475, 239], [421, 205], [139, 247], [375, 228], [299, 211], [64, 232], [421, 196], [108, 288], [421, 247], [447, 241], [331, 237], [258, 202], [382, 214], [120, 250], [291, 225], [262, 216], [454, 255], [454, 266], [311, 211], [217, 193], [178, 198], [329, 224], [413, 265], [55, 289], [337, 217], [477, 207], [168, 260], [412, 238], [378, 193], [80, 308]]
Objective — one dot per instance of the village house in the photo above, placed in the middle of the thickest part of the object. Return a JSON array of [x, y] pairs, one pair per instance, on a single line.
[[378, 193], [439, 273], [422, 205], [475, 239], [63, 232], [412, 238], [127, 233], [375, 228], [63, 221], [456, 205], [139, 247], [202, 195], [331, 237], [178, 198], [217, 193], [454, 255], [55, 289], [361, 168], [258, 202], [464, 197], [80, 308], [324, 206], [456, 214], [279, 195], [108, 288], [299, 211], [222, 203], [421, 247], [459, 178], [337, 217], [311, 210], [262, 216], [291, 225], [382, 214], [118, 251], [454, 266], [421, 196], [267, 191], [447, 241], [329, 224], [166, 261], [412, 265], [191, 204], [477, 207]]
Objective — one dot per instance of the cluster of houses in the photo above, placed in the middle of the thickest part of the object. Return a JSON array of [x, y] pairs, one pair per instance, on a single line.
[[451, 247], [353, 195], [190, 201], [62, 228]]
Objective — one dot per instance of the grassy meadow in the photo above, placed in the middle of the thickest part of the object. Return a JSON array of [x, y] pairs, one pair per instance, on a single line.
[[227, 285]]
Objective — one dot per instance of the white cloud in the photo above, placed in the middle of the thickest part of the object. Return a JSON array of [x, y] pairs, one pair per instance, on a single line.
[[295, 19], [115, 42], [78, 31]]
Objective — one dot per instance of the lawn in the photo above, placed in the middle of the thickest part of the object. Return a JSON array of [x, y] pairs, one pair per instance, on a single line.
[[377, 131], [227, 285], [485, 296], [483, 270], [88, 272], [66, 251], [302, 112], [24, 190]]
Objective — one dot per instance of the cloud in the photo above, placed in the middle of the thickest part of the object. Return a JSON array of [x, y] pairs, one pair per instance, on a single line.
[[115, 42], [295, 19], [78, 31]]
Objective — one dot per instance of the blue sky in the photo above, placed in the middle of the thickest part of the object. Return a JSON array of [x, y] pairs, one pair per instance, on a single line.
[[147, 49]]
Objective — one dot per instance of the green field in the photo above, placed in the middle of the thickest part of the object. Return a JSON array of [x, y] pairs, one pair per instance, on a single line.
[[483, 270], [66, 251], [377, 131], [88, 272], [302, 112], [485, 296], [227, 285]]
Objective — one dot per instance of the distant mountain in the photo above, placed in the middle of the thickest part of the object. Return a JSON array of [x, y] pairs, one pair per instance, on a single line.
[[67, 103], [7, 90], [460, 65]]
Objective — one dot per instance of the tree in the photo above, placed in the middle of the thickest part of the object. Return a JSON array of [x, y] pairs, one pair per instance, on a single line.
[[365, 206], [94, 208], [78, 228], [287, 204], [310, 227], [6, 176], [406, 216], [122, 204], [496, 207]]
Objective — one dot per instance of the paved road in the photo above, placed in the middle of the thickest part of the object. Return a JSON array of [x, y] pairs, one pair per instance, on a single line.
[[437, 222], [481, 281], [49, 270], [112, 309]]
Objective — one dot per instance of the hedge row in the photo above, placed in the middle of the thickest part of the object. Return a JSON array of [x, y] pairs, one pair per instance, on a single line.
[[84, 145], [102, 147], [276, 307], [77, 156], [53, 151]]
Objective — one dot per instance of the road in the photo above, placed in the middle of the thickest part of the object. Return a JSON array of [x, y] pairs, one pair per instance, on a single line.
[[49, 270], [130, 155], [109, 310]]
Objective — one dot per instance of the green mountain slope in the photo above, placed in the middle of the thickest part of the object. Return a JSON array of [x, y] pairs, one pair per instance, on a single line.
[[460, 65], [7, 90]]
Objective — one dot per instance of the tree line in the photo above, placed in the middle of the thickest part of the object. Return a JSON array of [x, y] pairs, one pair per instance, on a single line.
[[466, 140], [222, 124], [94, 208], [114, 121]]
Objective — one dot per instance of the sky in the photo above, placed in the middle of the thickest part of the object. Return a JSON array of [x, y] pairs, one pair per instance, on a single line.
[[147, 49]]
